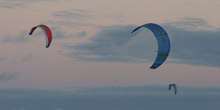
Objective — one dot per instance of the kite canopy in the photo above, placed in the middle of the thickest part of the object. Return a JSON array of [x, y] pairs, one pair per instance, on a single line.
[[162, 40], [174, 86], [47, 33]]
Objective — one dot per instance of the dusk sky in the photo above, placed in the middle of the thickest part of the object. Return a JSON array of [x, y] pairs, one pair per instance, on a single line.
[[95, 63]]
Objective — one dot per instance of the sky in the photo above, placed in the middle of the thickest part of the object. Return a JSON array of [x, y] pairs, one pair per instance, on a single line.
[[95, 63]]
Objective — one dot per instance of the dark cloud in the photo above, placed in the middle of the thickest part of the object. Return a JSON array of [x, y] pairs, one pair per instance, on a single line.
[[111, 98], [196, 46], [193, 42], [114, 43], [5, 76]]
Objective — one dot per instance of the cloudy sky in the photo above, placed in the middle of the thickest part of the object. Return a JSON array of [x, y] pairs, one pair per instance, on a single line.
[[95, 63]]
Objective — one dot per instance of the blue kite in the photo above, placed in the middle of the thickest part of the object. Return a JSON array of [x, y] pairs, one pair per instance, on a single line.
[[162, 40]]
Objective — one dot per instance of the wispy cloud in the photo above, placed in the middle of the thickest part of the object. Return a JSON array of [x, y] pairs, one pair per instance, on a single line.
[[27, 57], [108, 98], [61, 34], [20, 38], [74, 18], [192, 24], [14, 4], [5, 76], [193, 42], [73, 24], [76, 14], [3, 59], [57, 33]]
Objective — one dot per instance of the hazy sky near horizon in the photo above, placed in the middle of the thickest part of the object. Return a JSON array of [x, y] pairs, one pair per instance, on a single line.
[[111, 98], [93, 47]]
